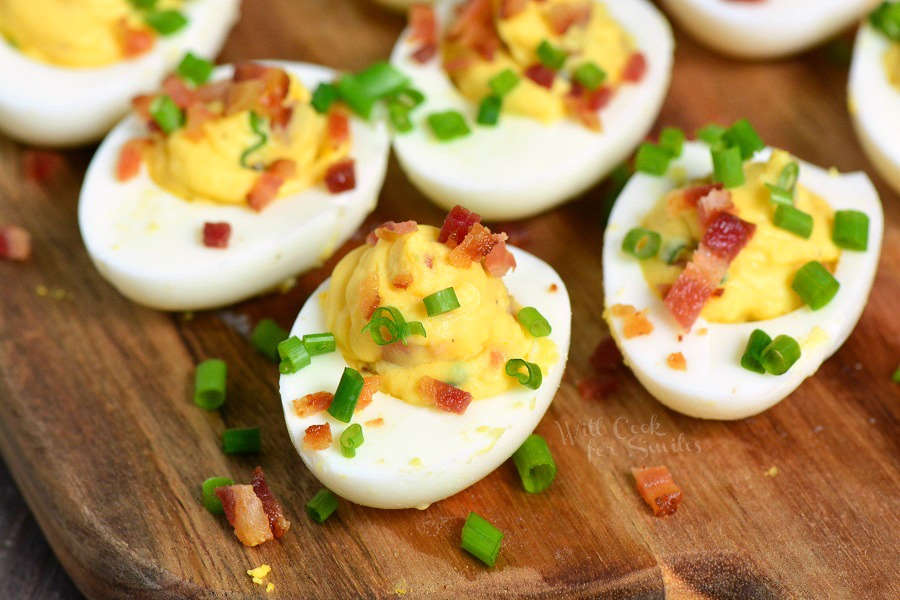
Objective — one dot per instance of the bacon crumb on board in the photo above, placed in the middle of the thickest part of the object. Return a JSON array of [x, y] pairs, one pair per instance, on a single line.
[[370, 386], [40, 166], [676, 361], [311, 404], [598, 387], [253, 511], [15, 243], [277, 521], [317, 437], [658, 489], [606, 356], [216, 235], [445, 396]]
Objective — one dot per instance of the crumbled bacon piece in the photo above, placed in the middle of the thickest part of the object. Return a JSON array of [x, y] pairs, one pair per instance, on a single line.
[[15, 243], [243, 95], [370, 386], [338, 127], [498, 359], [277, 521], [606, 356], [499, 260], [130, 157], [563, 16], [134, 41], [402, 281], [553, 288], [510, 8], [597, 387], [445, 396], [245, 513], [195, 117], [424, 53], [658, 489], [369, 299], [693, 194], [474, 28], [583, 104], [477, 244], [311, 404], [422, 24], [40, 166], [711, 204], [247, 69], [216, 235], [317, 437], [141, 105], [637, 324], [726, 235], [341, 176], [676, 361], [541, 75], [391, 230], [635, 68], [458, 63], [175, 87], [456, 225], [269, 182], [622, 310], [214, 91]]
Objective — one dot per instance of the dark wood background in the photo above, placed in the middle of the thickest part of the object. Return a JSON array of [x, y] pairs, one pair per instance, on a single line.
[[98, 430]]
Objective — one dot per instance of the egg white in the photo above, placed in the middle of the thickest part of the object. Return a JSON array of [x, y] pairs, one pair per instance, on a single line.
[[421, 454], [875, 104], [50, 105], [766, 29], [523, 166], [148, 242], [715, 386]]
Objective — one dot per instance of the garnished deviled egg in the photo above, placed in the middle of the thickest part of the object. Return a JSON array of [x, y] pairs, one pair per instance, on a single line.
[[449, 349], [731, 274], [224, 184], [765, 28], [528, 103], [874, 90], [70, 68]]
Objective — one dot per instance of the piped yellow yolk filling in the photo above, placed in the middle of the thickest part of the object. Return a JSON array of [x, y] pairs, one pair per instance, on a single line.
[[892, 64], [758, 283], [467, 347]]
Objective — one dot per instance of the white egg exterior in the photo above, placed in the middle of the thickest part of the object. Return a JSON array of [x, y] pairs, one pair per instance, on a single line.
[[50, 105], [422, 454], [523, 166], [148, 242], [715, 386], [766, 29], [875, 104]]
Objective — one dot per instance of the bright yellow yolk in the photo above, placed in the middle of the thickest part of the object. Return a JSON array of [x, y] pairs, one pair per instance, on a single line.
[[209, 168], [86, 33], [467, 347], [892, 64], [601, 41], [758, 283]]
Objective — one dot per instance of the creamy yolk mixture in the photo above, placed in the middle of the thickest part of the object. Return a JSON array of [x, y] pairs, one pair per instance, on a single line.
[[758, 283], [467, 347], [601, 40], [892, 64]]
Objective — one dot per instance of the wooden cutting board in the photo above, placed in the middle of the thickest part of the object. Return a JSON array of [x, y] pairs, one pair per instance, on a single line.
[[98, 427]]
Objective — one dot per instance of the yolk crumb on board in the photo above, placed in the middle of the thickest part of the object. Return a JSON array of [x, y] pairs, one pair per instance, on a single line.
[[259, 574]]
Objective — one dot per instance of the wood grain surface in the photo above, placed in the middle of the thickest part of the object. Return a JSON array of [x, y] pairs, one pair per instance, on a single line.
[[99, 431]]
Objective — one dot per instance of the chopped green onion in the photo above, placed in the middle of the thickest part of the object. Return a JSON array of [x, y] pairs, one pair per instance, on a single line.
[[711, 134], [532, 320], [815, 285], [641, 243], [671, 139], [535, 464], [489, 110], [143, 4], [195, 69], [590, 75], [321, 506], [389, 318], [360, 91], [209, 384], [210, 500], [791, 219], [409, 97], [481, 539], [440, 302], [166, 113], [851, 229], [351, 439], [351, 92], [448, 125], [752, 358], [325, 95], [266, 336], [551, 56], [294, 355], [673, 251], [787, 179], [258, 126], [398, 114], [531, 378], [319, 343], [377, 327], [503, 82], [779, 195], [166, 22], [742, 135], [652, 159], [241, 441], [728, 166], [346, 395], [780, 355], [896, 376], [886, 19], [412, 328]]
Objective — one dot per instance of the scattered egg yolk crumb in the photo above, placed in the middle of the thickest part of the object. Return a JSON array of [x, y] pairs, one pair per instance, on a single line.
[[676, 361], [772, 472], [259, 573]]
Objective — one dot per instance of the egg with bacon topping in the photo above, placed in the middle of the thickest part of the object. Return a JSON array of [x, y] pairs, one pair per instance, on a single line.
[[226, 183], [448, 348]]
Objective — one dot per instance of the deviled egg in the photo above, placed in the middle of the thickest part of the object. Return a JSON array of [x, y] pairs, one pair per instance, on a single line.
[[449, 349], [70, 68], [765, 28], [528, 103], [726, 286], [874, 90], [225, 184]]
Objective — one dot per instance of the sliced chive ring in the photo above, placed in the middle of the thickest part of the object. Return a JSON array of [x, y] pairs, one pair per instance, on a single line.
[[791, 219], [652, 159], [489, 110], [551, 56], [532, 320], [752, 358], [441, 302], [527, 373], [448, 125], [322, 505], [851, 230], [815, 285], [166, 22], [503, 82], [241, 441], [209, 384], [589, 75], [641, 243], [208, 489], [265, 338], [346, 395], [671, 139], [166, 113], [351, 439], [481, 539], [324, 96], [319, 343], [711, 134], [728, 166], [257, 126], [194, 69], [535, 464], [294, 355], [742, 136], [780, 355]]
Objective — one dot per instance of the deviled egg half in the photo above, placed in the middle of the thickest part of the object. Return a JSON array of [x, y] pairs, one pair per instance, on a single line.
[[765, 28], [528, 103], [71, 68], [726, 286], [449, 349], [224, 184], [874, 90]]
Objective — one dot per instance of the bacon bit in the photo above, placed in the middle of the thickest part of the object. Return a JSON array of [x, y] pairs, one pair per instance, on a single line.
[[269, 182], [317, 437], [676, 361], [710, 205], [244, 511], [499, 260], [718, 292], [429, 261], [680, 337], [216, 235], [477, 244], [553, 288], [458, 63], [375, 422], [277, 521], [311, 404], [541, 75], [130, 157], [564, 16], [510, 8], [692, 195], [338, 127], [15, 243], [243, 95], [727, 235], [391, 230], [370, 386], [197, 115], [635, 68], [597, 387], [658, 489], [456, 226], [402, 281], [622, 310], [637, 324], [141, 105], [134, 41], [369, 299], [40, 166], [247, 69], [497, 358], [425, 53], [583, 104], [283, 167], [214, 91], [422, 24], [445, 396], [341, 176], [178, 91], [606, 356], [474, 28]]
